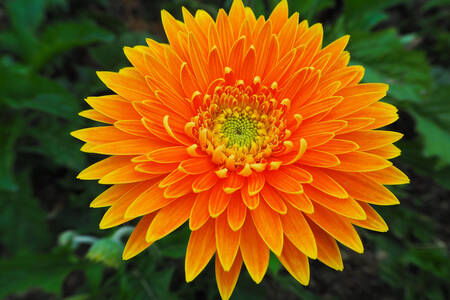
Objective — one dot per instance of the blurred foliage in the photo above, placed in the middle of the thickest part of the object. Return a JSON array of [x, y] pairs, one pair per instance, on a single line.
[[49, 243]]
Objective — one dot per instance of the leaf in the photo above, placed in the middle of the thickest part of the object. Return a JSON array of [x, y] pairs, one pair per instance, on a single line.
[[107, 251], [8, 135], [23, 223], [64, 36], [26, 15], [44, 271]]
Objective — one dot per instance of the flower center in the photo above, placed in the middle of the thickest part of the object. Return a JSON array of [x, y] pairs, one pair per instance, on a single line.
[[239, 124]]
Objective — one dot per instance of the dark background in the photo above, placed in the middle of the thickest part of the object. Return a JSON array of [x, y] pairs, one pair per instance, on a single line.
[[50, 244]]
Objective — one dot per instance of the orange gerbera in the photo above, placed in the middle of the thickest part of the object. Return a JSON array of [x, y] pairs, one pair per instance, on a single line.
[[253, 132]]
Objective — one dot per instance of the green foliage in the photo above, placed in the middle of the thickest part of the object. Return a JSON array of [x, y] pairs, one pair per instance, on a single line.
[[50, 50]]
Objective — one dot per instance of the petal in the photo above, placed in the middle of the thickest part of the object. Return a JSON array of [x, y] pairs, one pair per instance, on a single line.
[[269, 227], [126, 174], [326, 184], [204, 182], [236, 212], [199, 212], [337, 227], [373, 222], [390, 176], [226, 281], [227, 242], [319, 159], [273, 199], [299, 174], [283, 182], [103, 167], [361, 162], [364, 189], [169, 154], [126, 86], [255, 183], [297, 230], [387, 152], [254, 252], [218, 201], [169, 218], [197, 165], [299, 201], [371, 139], [295, 262], [151, 167], [233, 183], [346, 207], [136, 242], [94, 115], [174, 177], [200, 249], [128, 147], [114, 107], [179, 189], [147, 202], [338, 146], [251, 202], [111, 195], [134, 127], [327, 248], [101, 134]]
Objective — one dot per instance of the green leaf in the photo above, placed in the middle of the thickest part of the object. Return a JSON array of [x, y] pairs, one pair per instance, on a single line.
[[8, 135], [64, 36], [107, 251], [44, 271], [26, 15], [23, 223]]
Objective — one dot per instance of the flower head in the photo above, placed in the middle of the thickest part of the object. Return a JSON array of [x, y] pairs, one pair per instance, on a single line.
[[250, 130]]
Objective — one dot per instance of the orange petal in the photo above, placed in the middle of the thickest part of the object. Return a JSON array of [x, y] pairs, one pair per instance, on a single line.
[[128, 147], [101, 134], [174, 177], [151, 167], [233, 183], [255, 183], [273, 199], [94, 115], [315, 108], [169, 218], [134, 127], [180, 189], [200, 249], [337, 227], [299, 174], [318, 139], [373, 222], [298, 232], [111, 195], [226, 281], [199, 213], [114, 107], [115, 215], [337, 146], [126, 86], [319, 127], [354, 124], [390, 176], [283, 182], [236, 212], [279, 16], [346, 207], [204, 182], [319, 159], [326, 184], [364, 189], [169, 154], [254, 252], [147, 202], [327, 248], [251, 202], [299, 201], [103, 167], [227, 242], [126, 174], [218, 201], [136, 242], [295, 262], [387, 152], [269, 227], [371, 139], [197, 165], [361, 162]]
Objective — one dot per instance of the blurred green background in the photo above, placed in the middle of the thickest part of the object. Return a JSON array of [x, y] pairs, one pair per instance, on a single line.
[[50, 244]]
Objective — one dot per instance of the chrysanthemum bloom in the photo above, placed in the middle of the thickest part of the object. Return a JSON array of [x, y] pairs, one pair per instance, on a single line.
[[250, 130]]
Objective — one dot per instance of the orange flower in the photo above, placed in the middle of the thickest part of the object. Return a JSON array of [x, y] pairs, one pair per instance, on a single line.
[[254, 133]]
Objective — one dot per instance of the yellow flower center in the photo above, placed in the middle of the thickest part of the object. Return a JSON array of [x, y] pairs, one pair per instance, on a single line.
[[240, 124]]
